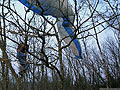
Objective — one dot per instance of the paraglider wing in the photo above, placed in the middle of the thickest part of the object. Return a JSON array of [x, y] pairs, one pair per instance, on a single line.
[[67, 34], [55, 8], [62, 10]]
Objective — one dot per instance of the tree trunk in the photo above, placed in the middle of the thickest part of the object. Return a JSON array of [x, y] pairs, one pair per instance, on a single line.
[[61, 66]]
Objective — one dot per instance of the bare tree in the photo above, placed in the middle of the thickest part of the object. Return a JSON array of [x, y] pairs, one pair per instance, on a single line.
[[52, 65]]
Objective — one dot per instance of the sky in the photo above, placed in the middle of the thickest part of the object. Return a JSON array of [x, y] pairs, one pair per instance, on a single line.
[[20, 7]]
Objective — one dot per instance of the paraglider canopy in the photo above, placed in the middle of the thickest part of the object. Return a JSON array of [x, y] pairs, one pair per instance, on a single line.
[[55, 8], [58, 9]]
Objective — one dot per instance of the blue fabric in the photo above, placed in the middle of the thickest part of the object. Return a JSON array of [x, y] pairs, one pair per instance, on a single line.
[[34, 9], [53, 12], [38, 10], [21, 57], [51, 9], [26, 66], [65, 22], [70, 32]]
